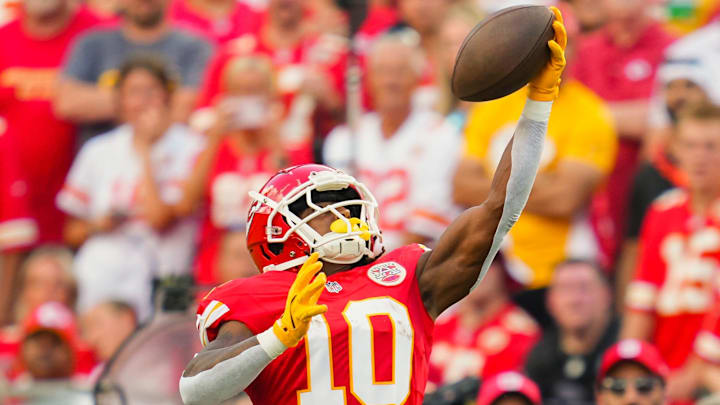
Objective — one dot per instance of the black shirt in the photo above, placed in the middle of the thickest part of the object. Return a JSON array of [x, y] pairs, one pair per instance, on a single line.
[[565, 379], [648, 184]]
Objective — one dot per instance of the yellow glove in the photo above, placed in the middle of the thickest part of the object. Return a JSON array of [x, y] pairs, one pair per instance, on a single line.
[[546, 85], [301, 304]]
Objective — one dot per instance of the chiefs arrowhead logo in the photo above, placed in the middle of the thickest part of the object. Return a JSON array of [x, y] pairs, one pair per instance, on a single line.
[[387, 274]]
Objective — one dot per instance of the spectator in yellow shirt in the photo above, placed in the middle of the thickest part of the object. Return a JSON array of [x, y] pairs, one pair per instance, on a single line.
[[579, 152]]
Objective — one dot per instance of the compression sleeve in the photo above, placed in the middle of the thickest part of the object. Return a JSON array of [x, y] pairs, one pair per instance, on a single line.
[[525, 155], [230, 377]]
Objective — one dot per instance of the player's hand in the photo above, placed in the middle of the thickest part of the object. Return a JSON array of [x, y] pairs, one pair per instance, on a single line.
[[546, 85], [301, 304]]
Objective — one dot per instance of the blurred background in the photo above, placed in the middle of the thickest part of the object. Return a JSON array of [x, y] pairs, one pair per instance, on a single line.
[[132, 130]]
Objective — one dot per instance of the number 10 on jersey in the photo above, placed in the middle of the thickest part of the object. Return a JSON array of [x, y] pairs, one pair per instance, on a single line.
[[361, 363]]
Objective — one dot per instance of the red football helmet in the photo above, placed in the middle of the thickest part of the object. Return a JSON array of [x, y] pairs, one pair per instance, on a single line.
[[278, 239]]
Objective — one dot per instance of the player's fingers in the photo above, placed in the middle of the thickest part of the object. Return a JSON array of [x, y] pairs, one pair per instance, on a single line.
[[308, 312], [556, 53], [560, 34], [311, 290], [307, 272], [558, 14], [313, 299]]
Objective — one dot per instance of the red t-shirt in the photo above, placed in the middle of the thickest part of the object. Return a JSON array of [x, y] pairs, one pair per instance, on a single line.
[[618, 73], [44, 144], [371, 346], [241, 20], [227, 202], [500, 344], [325, 53], [677, 274]]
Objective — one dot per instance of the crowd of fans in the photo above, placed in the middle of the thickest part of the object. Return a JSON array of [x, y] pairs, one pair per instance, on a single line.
[[132, 130]]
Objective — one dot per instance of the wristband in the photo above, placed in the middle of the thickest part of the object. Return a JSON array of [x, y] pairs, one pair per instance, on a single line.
[[537, 110], [270, 343]]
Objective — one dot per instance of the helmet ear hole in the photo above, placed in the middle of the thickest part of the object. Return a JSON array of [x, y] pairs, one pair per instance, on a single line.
[[275, 248], [264, 253]]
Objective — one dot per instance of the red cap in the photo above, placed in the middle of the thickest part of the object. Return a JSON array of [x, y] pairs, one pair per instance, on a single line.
[[637, 351], [505, 383], [54, 317]]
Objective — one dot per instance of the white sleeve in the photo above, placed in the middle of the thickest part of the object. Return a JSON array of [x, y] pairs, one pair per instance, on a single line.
[[75, 196], [336, 151], [230, 377], [525, 155]]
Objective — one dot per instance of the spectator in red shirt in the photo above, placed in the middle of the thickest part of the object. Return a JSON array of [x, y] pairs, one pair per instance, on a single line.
[[309, 74], [483, 336], [33, 47], [677, 271], [45, 276], [242, 152], [684, 84], [220, 21], [619, 63], [50, 348]]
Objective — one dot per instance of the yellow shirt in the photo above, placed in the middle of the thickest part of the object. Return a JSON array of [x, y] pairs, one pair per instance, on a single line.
[[580, 128]]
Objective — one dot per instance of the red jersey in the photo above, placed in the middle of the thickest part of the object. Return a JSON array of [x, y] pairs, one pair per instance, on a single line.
[[618, 73], [371, 346], [241, 20], [678, 269], [44, 143], [227, 202], [326, 54], [500, 344], [707, 344]]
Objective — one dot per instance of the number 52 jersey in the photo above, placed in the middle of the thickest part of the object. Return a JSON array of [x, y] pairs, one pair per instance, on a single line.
[[370, 347]]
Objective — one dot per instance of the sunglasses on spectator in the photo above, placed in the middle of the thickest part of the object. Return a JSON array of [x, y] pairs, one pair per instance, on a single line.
[[618, 386]]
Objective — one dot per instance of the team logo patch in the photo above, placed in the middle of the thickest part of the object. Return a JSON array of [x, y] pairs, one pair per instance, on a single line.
[[333, 287], [387, 274]]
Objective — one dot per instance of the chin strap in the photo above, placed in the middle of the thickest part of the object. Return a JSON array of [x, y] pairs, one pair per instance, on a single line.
[[287, 265]]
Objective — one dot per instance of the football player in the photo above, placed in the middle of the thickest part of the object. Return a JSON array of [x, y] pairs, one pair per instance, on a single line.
[[354, 324]]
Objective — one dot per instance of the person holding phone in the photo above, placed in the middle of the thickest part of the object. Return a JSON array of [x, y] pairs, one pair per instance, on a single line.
[[243, 149]]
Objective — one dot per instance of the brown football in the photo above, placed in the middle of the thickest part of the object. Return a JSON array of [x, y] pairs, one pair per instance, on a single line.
[[502, 53]]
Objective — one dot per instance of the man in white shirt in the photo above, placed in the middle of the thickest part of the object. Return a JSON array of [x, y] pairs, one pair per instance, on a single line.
[[406, 155]]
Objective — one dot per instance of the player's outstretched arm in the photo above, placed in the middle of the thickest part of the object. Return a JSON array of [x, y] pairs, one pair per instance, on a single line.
[[226, 366], [464, 252]]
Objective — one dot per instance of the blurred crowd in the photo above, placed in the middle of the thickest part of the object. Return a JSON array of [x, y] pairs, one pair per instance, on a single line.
[[132, 130]]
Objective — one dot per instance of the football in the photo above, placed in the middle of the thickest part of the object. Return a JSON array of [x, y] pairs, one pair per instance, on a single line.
[[502, 53]]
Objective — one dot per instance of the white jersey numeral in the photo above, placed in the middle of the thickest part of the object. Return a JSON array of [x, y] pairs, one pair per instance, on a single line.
[[363, 383]]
